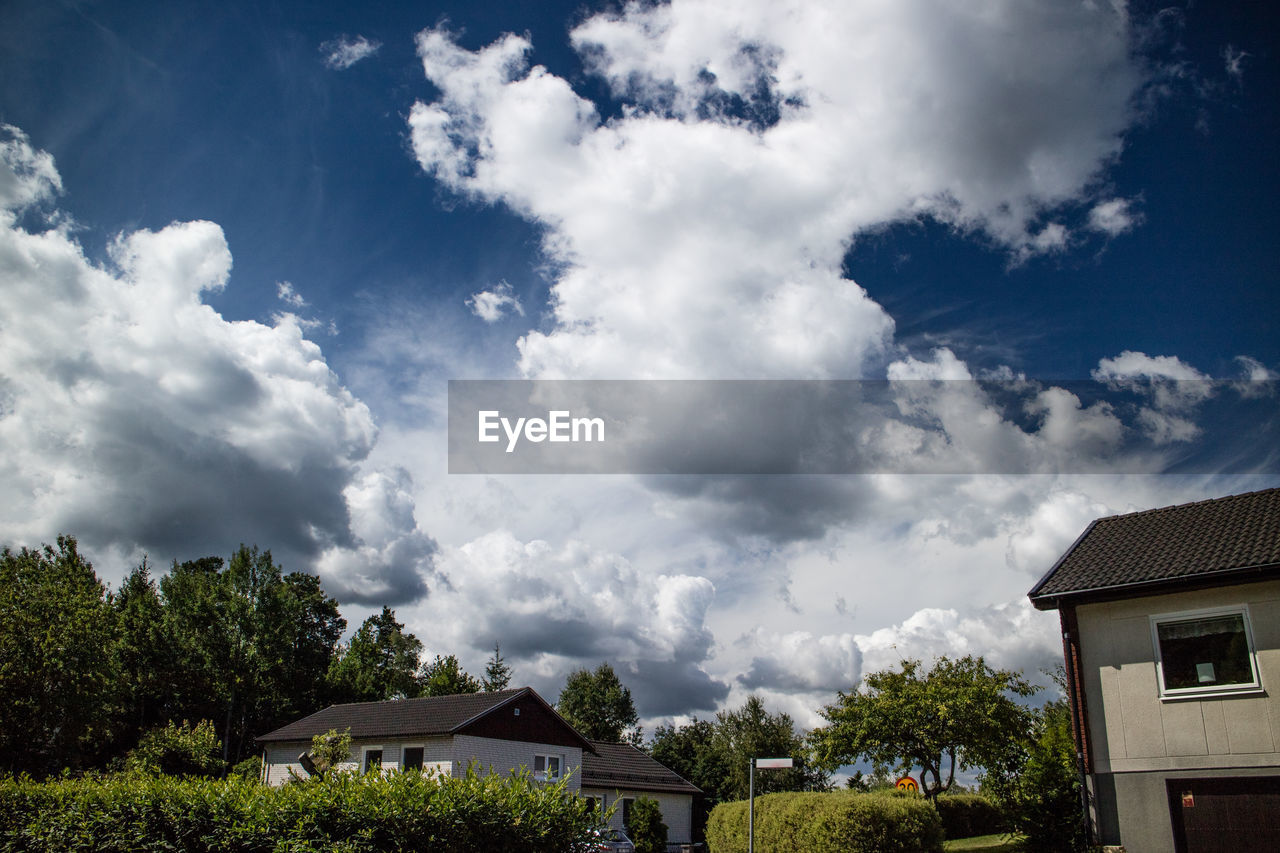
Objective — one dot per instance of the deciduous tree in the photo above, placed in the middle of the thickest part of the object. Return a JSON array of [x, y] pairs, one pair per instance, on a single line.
[[599, 706], [959, 714], [444, 676]]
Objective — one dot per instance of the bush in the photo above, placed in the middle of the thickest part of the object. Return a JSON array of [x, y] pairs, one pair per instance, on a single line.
[[403, 811], [820, 822], [646, 827], [967, 815], [175, 750]]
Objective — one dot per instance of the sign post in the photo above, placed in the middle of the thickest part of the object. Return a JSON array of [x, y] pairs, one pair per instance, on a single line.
[[763, 764]]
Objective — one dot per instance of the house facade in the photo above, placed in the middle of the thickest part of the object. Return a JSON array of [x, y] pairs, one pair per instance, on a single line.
[[1171, 635], [501, 732], [618, 774]]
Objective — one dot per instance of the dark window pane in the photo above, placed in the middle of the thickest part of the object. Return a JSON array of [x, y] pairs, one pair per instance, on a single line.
[[1208, 652], [413, 758], [372, 760]]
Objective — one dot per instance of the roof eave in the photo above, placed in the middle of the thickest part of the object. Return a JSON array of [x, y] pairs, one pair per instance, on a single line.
[[1111, 592]]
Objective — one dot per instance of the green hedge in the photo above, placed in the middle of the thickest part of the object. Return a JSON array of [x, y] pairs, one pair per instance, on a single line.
[[843, 821], [967, 815], [341, 813]]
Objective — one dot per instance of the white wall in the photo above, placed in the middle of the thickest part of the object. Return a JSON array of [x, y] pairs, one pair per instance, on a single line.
[[677, 810]]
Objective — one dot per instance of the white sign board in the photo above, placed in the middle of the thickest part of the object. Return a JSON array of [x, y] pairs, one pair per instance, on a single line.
[[773, 763]]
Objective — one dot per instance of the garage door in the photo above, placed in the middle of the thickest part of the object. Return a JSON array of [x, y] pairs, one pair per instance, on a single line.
[[1225, 815]]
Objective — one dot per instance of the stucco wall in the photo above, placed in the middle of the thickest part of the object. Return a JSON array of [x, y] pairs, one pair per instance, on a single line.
[[677, 810], [1132, 729]]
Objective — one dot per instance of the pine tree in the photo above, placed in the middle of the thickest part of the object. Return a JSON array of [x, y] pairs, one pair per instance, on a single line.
[[497, 675]]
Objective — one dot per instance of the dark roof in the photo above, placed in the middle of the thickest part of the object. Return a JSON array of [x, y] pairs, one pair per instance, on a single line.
[[436, 715], [623, 767], [1225, 540]]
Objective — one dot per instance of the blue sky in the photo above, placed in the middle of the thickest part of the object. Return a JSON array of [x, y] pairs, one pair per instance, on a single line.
[[382, 197]]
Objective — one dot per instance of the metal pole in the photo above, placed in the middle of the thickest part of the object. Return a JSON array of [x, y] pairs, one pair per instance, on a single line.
[[751, 806]]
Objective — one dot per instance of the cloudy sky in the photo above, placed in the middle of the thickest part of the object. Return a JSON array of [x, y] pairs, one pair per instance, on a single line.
[[245, 246]]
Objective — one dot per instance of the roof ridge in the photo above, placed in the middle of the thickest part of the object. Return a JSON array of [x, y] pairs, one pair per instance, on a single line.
[[1188, 505]]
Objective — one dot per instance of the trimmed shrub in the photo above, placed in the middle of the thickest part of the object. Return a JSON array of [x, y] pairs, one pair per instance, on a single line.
[[967, 815], [844, 821], [401, 812]]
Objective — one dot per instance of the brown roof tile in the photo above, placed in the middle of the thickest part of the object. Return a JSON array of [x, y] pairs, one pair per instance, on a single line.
[[623, 767], [1188, 543]]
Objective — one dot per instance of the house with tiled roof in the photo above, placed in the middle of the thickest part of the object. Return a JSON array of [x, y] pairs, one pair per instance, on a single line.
[[1171, 637], [618, 774], [500, 732]]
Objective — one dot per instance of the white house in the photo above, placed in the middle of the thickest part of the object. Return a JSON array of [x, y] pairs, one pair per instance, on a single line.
[[499, 732]]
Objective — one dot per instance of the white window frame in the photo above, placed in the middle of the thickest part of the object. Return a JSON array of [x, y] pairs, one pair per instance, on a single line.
[[364, 758], [547, 758], [1208, 692]]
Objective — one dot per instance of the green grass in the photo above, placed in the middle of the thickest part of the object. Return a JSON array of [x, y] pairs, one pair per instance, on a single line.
[[985, 843]]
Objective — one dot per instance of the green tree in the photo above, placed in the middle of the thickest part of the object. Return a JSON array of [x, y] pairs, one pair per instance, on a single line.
[[57, 677], [327, 751], [253, 646], [444, 676], [178, 750], [645, 826], [1041, 798], [143, 657], [497, 675], [752, 732], [599, 706], [380, 662], [958, 714]]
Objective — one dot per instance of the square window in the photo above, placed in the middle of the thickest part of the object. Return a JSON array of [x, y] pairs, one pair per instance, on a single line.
[[412, 758], [1204, 652], [373, 760], [546, 768]]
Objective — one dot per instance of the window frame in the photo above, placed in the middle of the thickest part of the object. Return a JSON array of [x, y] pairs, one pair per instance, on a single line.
[[546, 759], [1155, 620], [364, 758]]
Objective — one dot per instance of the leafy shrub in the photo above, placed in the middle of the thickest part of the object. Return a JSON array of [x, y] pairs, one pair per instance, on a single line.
[[967, 815], [175, 750], [844, 821], [343, 812], [646, 827]]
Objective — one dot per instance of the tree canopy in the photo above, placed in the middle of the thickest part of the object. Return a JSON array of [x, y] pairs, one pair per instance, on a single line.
[[380, 662], [444, 676], [958, 714], [599, 706], [56, 683]]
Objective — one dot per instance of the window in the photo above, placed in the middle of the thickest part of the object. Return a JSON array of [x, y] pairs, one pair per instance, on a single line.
[[372, 759], [1204, 652], [411, 758], [546, 768], [627, 803], [595, 804]]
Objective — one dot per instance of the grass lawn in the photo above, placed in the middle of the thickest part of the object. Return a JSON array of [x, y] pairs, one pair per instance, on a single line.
[[999, 841]]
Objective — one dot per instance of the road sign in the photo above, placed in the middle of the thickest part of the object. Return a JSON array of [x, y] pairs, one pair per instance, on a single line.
[[906, 783], [774, 763]]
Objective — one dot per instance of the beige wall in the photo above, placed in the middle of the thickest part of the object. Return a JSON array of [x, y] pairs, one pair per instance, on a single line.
[[677, 810], [1133, 729]]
